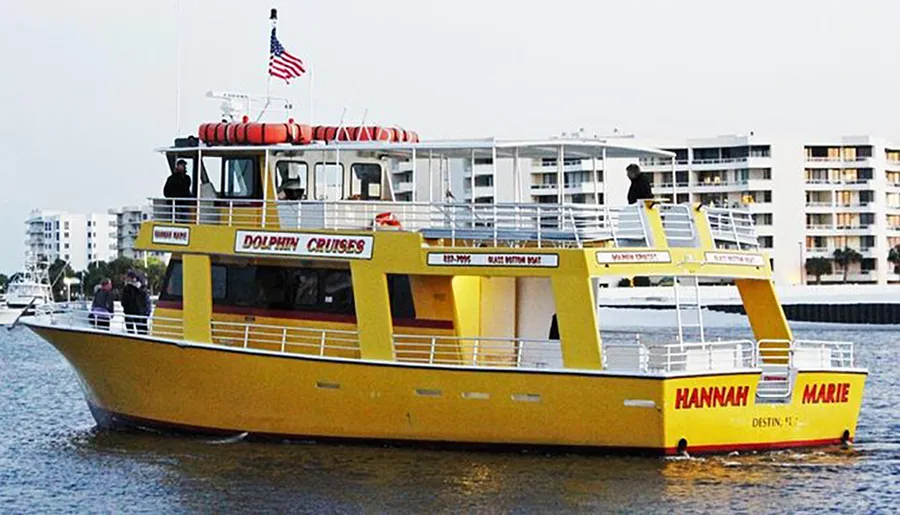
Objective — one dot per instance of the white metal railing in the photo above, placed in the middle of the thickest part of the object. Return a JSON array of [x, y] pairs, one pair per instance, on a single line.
[[679, 357], [286, 340], [80, 318], [480, 351], [732, 228], [546, 224], [822, 354]]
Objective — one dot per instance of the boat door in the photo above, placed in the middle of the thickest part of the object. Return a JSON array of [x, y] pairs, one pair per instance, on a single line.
[[234, 199]]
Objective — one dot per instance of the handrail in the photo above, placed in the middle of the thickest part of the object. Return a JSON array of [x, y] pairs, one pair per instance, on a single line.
[[478, 351], [153, 325]]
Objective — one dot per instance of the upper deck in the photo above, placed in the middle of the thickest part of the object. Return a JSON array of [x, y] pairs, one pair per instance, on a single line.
[[348, 187]]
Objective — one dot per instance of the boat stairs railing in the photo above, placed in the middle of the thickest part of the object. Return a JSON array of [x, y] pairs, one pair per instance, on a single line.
[[507, 224], [778, 360], [732, 228]]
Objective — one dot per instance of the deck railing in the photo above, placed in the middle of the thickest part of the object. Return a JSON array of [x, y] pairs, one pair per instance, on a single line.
[[678, 357], [286, 340], [776, 358], [118, 322], [545, 224], [482, 351]]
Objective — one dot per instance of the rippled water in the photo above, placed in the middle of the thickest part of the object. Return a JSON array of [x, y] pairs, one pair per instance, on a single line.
[[52, 460]]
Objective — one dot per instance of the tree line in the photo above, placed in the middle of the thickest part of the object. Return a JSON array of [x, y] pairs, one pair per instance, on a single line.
[[819, 266], [154, 270]]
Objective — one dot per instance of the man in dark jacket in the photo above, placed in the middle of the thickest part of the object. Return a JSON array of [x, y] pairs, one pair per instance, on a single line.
[[102, 305], [178, 186], [135, 303], [640, 186]]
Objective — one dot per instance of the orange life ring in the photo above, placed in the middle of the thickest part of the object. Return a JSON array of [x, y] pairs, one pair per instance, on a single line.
[[251, 133], [364, 133]]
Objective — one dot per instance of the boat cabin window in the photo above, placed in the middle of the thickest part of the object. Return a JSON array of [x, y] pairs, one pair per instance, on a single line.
[[172, 283], [284, 289], [290, 180], [240, 178], [365, 181], [329, 181], [288, 289]]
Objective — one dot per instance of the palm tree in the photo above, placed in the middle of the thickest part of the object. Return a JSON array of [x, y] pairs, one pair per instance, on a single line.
[[818, 266], [894, 257], [845, 257]]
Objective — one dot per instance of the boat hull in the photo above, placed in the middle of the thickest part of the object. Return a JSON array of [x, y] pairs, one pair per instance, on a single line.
[[147, 382]]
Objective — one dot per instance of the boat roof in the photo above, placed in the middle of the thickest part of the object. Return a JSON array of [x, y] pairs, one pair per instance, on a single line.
[[526, 149]]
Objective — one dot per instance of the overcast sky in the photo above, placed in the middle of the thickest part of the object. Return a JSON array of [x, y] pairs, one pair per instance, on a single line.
[[88, 87]]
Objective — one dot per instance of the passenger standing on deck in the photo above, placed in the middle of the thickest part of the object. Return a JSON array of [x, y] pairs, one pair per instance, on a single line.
[[102, 305], [640, 185], [178, 186], [135, 303]]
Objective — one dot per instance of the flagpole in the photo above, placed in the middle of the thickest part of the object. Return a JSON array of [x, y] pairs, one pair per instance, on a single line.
[[177, 68], [273, 19]]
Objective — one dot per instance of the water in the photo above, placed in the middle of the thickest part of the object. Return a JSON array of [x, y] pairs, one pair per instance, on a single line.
[[53, 460]]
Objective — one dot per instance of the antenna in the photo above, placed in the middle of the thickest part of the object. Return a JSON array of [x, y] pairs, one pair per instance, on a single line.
[[238, 104], [177, 68]]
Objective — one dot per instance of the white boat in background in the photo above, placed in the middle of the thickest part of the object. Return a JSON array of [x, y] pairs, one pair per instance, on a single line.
[[29, 291]]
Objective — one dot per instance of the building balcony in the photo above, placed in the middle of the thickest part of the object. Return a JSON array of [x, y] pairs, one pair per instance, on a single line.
[[893, 165], [568, 189], [838, 184], [838, 162], [854, 207], [719, 163], [709, 187], [839, 230], [667, 187], [583, 166]]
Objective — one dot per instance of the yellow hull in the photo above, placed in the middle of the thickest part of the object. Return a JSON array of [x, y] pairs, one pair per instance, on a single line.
[[144, 381]]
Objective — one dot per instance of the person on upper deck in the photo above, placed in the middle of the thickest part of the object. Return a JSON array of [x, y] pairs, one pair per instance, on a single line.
[[178, 185], [640, 185]]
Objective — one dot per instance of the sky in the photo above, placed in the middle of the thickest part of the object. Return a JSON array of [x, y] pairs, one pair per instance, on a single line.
[[88, 88]]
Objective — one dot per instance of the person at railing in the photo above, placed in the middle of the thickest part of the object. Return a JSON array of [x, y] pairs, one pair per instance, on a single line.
[[102, 305], [135, 303], [640, 186], [178, 186]]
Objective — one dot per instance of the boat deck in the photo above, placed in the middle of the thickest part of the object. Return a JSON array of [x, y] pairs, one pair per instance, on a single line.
[[513, 224]]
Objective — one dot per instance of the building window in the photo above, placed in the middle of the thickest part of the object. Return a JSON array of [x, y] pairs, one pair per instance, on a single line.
[[765, 242], [867, 264], [66, 226], [66, 246], [65, 235]]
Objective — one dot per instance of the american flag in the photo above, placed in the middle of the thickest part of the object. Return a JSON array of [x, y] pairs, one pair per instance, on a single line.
[[282, 64]]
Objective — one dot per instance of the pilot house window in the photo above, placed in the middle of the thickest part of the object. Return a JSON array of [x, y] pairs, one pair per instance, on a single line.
[[240, 179]]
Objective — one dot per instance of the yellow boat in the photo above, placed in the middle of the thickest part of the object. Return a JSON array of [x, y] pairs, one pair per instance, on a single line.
[[346, 313]]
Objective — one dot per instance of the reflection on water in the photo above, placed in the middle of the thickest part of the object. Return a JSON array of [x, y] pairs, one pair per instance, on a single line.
[[51, 459]]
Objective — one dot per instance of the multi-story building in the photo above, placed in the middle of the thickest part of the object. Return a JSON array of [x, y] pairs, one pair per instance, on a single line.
[[852, 201], [128, 225], [73, 237]]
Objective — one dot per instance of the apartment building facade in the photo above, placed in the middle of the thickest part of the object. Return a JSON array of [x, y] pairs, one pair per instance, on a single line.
[[128, 225], [74, 237]]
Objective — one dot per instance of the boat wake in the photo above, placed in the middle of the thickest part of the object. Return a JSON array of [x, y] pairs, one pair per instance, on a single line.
[[231, 439]]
